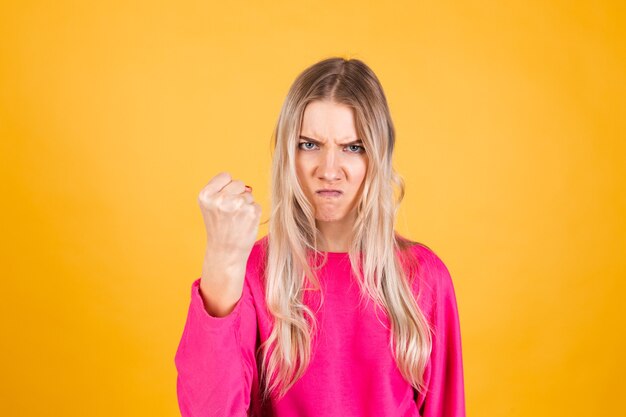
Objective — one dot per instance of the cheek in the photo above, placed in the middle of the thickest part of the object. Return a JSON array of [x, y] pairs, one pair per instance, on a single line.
[[305, 167], [303, 173], [359, 171], [300, 165]]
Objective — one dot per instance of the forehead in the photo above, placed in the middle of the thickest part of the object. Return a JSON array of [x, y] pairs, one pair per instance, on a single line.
[[328, 120]]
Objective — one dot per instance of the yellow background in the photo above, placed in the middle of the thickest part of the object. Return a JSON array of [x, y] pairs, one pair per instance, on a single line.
[[511, 136]]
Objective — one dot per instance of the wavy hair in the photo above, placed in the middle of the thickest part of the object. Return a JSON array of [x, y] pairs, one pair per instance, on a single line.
[[377, 253]]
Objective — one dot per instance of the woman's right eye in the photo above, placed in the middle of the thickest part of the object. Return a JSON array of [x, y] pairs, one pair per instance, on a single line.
[[305, 143]]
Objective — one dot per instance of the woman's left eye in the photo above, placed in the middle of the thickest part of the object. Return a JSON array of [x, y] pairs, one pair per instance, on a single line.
[[362, 149]]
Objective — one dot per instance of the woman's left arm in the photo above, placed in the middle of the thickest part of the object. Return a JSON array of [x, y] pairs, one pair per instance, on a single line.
[[445, 396]]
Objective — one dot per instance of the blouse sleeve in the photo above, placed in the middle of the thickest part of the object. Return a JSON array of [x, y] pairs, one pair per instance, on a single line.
[[215, 359], [445, 395]]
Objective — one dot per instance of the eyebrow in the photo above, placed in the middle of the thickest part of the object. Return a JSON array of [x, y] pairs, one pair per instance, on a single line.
[[354, 142]]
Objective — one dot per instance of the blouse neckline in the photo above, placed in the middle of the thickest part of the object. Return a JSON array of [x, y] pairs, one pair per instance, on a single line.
[[333, 255]]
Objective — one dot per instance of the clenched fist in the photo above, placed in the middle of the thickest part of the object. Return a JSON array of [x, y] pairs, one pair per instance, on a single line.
[[231, 218]]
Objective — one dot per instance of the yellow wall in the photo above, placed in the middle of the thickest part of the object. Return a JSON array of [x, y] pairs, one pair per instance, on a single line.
[[511, 129]]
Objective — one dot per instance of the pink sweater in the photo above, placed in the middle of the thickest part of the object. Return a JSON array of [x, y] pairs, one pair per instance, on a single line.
[[352, 371]]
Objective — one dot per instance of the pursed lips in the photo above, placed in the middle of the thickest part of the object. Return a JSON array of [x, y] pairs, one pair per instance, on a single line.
[[329, 193]]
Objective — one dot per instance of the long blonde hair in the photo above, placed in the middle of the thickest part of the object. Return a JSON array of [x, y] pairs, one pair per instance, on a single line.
[[377, 252]]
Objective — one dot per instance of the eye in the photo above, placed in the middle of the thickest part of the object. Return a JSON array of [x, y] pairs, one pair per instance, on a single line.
[[305, 143], [357, 148], [362, 149]]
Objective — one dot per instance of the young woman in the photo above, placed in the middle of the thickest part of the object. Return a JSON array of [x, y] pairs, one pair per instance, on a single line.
[[332, 313]]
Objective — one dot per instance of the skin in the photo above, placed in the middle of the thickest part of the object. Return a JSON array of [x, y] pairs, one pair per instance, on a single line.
[[331, 163]]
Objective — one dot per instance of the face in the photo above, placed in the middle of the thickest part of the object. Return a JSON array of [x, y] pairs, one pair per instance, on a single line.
[[329, 157]]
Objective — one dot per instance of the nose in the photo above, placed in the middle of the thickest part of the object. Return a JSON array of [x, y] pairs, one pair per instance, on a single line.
[[329, 165]]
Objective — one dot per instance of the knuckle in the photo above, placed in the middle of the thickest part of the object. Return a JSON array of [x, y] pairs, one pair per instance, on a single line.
[[202, 199]]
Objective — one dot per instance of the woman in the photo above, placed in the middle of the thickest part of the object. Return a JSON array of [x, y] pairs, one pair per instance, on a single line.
[[332, 313]]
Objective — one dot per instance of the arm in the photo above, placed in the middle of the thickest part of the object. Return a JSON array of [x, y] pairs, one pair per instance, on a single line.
[[444, 374], [215, 358]]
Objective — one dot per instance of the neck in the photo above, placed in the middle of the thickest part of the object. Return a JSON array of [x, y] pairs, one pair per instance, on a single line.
[[335, 236]]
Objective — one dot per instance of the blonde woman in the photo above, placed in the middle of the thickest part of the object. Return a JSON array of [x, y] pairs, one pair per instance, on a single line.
[[332, 313]]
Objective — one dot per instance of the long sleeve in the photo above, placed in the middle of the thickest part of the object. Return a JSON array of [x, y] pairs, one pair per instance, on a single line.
[[215, 359], [445, 396]]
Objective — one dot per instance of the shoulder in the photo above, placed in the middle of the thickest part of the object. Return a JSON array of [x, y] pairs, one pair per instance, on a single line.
[[429, 275], [255, 266], [258, 252], [431, 262]]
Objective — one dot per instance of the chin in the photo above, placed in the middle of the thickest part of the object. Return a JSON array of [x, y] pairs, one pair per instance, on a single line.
[[329, 217]]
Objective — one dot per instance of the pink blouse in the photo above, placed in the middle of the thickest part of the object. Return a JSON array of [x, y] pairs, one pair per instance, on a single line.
[[352, 371]]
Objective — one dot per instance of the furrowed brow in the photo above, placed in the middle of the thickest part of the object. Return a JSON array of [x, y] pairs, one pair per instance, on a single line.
[[354, 142]]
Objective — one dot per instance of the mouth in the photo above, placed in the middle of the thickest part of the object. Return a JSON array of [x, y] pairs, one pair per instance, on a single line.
[[329, 193]]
